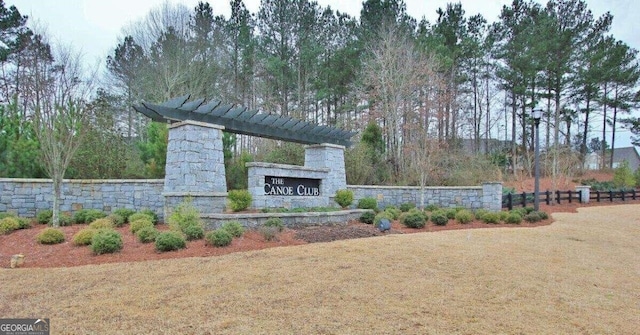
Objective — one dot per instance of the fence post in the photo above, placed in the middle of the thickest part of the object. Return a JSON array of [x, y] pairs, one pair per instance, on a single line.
[[598, 195], [633, 194], [510, 201], [558, 197], [523, 199], [610, 195], [548, 194], [570, 196], [585, 193], [623, 192]]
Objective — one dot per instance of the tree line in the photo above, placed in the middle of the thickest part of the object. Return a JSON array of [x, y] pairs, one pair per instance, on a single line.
[[415, 91]]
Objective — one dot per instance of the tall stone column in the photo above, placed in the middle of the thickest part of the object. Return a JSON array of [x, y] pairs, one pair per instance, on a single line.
[[329, 156], [492, 196], [195, 167]]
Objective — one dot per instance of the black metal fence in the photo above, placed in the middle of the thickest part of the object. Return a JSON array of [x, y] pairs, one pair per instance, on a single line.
[[511, 200]]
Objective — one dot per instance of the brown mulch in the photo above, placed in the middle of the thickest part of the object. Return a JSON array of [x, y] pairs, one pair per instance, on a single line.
[[67, 254]]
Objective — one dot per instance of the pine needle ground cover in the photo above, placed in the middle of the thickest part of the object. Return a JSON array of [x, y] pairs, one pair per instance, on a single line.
[[577, 275]]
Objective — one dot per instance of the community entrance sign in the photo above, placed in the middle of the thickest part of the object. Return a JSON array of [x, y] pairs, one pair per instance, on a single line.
[[195, 160]]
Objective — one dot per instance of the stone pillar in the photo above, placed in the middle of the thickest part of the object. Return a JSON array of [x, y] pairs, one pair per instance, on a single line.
[[329, 156], [195, 167], [492, 196], [586, 193]]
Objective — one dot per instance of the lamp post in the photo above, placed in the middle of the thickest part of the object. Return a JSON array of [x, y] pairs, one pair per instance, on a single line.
[[537, 115]]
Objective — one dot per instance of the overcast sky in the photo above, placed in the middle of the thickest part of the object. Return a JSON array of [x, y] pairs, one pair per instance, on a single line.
[[95, 26]]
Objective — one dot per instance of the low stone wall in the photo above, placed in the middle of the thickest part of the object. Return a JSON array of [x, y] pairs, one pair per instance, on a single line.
[[488, 196], [291, 220], [26, 197]]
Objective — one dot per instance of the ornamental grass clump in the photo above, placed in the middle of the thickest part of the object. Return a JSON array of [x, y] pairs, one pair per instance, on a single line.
[[50, 236], [106, 241], [239, 200], [275, 223], [344, 198], [170, 241]]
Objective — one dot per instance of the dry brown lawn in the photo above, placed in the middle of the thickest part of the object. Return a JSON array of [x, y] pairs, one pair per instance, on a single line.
[[580, 275]]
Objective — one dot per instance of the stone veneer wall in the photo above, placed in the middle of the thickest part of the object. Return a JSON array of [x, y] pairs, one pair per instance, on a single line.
[[257, 172], [26, 197], [488, 196], [195, 167]]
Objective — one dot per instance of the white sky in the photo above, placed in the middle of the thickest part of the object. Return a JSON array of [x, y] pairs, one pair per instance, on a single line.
[[94, 26]]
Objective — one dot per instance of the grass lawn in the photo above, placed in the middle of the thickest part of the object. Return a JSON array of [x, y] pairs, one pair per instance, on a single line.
[[580, 275]]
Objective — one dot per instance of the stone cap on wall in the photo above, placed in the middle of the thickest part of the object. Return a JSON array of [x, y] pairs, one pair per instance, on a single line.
[[417, 187], [284, 166], [85, 181]]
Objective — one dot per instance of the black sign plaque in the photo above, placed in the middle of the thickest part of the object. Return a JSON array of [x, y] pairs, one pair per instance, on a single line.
[[294, 187]]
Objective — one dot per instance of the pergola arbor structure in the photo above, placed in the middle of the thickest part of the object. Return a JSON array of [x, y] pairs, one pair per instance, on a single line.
[[195, 159]]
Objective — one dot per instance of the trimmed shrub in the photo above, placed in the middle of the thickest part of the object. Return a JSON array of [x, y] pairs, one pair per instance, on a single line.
[[169, 241], [368, 203], [147, 234], [367, 217], [491, 217], [464, 216], [536, 216], [219, 238], [439, 218], [101, 223], [275, 223], [234, 228], [84, 236], [8, 225], [503, 215], [140, 215], [380, 216], [344, 198], [6, 215], [513, 218], [106, 241], [87, 216], [413, 219], [138, 224], [44, 217], [151, 214], [450, 213], [394, 212], [193, 232], [239, 200], [186, 214], [64, 220], [24, 223], [480, 213], [269, 233], [117, 219], [407, 207], [431, 208], [125, 213], [50, 236]]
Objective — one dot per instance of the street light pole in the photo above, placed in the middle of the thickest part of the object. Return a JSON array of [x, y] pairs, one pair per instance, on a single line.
[[537, 115]]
